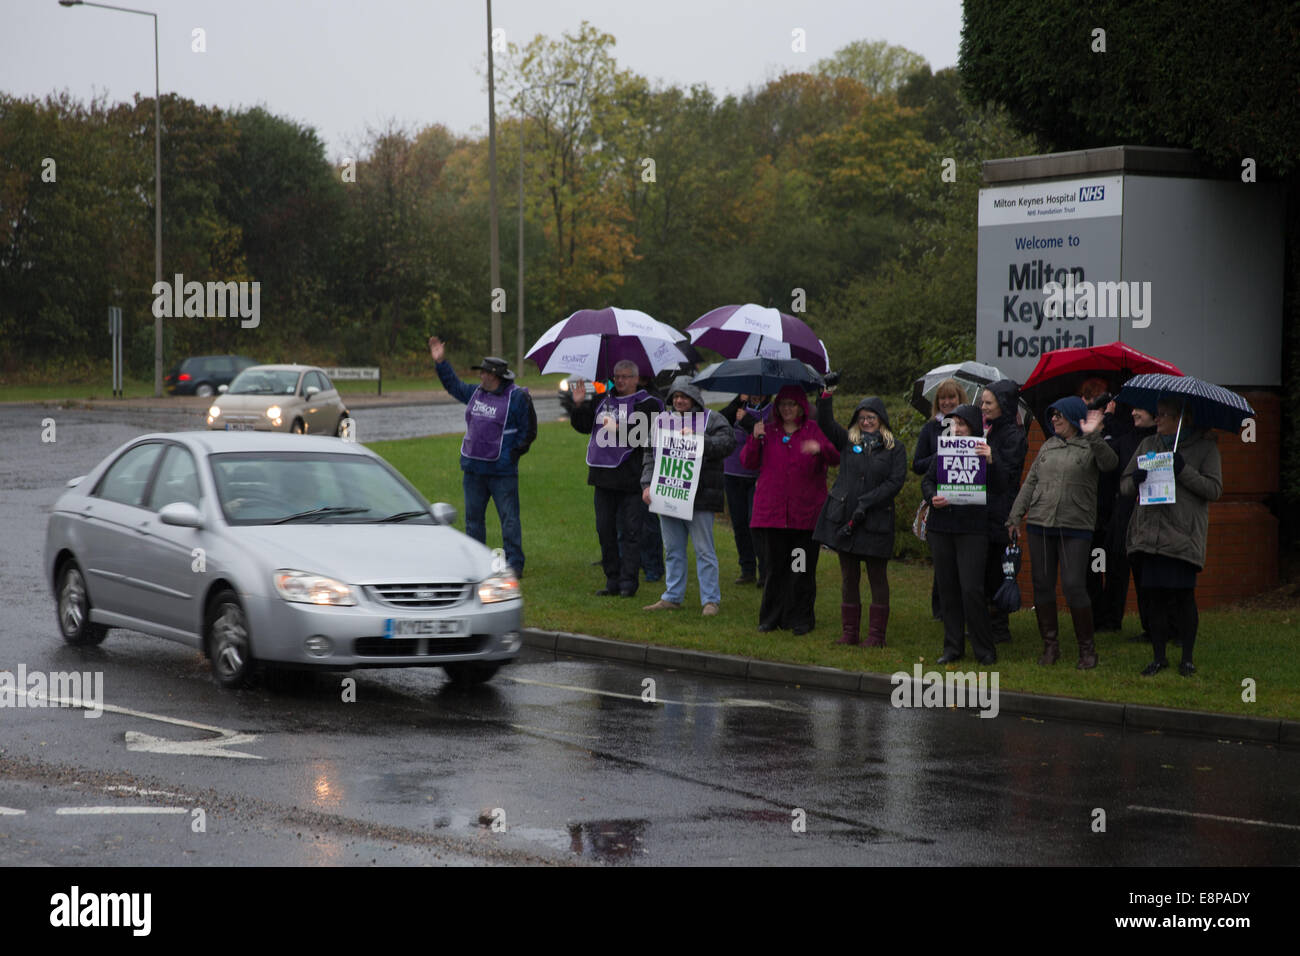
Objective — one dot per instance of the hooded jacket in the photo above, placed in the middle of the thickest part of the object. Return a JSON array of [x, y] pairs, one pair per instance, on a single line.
[[718, 444], [1177, 530], [868, 481], [791, 485], [1010, 448], [960, 519]]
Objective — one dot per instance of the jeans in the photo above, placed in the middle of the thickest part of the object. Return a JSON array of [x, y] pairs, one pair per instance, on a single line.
[[700, 529], [504, 490]]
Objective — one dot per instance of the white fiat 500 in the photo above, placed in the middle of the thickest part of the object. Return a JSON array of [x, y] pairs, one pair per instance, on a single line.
[[267, 549], [280, 398]]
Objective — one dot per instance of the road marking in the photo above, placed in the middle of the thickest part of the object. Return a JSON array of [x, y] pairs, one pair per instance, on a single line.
[[724, 702], [150, 744], [80, 811], [1215, 816], [11, 812], [146, 793]]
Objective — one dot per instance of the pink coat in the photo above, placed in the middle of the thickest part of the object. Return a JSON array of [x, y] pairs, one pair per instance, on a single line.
[[791, 485]]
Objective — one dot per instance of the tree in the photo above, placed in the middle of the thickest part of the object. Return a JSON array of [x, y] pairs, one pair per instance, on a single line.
[[878, 66]]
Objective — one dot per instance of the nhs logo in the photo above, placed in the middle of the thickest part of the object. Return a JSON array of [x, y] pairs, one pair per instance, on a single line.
[[1091, 193]]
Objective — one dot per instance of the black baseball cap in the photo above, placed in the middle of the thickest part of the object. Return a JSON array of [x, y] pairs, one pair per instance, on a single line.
[[496, 366]]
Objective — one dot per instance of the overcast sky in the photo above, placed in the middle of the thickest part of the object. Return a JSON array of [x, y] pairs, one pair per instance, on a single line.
[[342, 66]]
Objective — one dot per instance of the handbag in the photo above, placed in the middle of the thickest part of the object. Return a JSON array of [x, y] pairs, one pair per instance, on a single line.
[[919, 522]]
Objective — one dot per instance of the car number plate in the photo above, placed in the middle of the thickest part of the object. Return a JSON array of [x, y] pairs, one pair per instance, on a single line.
[[232, 427], [401, 627]]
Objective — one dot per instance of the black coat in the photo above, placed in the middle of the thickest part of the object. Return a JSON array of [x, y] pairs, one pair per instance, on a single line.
[[1010, 447], [927, 445], [868, 481]]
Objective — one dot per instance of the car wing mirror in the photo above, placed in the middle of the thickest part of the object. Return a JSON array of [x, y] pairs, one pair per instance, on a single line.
[[181, 514], [73, 482], [222, 389], [311, 390], [443, 513]]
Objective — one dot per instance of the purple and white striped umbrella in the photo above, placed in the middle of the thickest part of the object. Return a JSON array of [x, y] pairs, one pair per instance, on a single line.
[[751, 331], [591, 341]]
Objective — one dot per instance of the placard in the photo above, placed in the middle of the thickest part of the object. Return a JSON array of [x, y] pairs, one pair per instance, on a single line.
[[1158, 489], [962, 471]]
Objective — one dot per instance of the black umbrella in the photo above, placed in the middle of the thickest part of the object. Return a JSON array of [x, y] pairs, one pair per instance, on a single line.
[[758, 376], [1211, 405], [1007, 597]]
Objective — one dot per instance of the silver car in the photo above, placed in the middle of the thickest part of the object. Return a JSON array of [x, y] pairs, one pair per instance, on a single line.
[[265, 549], [280, 398]]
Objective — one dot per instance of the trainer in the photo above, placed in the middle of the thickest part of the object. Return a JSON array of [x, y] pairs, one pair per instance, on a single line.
[[500, 425]]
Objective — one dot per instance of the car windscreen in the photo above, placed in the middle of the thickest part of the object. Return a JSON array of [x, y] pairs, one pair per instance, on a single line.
[[312, 487], [264, 381]]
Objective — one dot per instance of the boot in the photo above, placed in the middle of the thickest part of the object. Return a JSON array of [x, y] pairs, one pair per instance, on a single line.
[[851, 618], [1047, 628], [1083, 632], [877, 618]]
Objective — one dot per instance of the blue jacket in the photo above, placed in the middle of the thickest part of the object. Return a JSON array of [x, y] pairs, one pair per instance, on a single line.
[[521, 425]]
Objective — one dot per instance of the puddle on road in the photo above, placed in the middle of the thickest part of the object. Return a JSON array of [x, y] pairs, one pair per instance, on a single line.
[[610, 841]]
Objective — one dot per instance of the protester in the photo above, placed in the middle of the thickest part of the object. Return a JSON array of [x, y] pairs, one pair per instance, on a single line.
[[742, 413], [791, 456], [1118, 566], [688, 414], [500, 426], [1166, 542], [652, 543], [1114, 424], [1059, 501], [857, 520], [958, 535], [619, 426], [947, 396], [1007, 440]]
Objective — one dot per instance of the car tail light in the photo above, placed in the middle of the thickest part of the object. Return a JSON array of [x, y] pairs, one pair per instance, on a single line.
[[183, 377]]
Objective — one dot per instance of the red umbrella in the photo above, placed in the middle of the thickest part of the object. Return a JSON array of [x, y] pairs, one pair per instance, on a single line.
[[1062, 371]]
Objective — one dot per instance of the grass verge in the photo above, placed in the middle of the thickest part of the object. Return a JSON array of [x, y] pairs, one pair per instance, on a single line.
[[1234, 643]]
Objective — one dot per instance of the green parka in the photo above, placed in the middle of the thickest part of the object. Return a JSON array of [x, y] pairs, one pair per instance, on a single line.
[[1177, 530], [1061, 488]]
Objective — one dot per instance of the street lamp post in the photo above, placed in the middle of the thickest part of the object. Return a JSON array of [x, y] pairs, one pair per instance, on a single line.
[[519, 298], [157, 182], [494, 251]]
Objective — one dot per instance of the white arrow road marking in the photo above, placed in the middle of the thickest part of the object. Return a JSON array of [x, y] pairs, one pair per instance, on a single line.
[[724, 702], [161, 745], [11, 812], [194, 748], [80, 811]]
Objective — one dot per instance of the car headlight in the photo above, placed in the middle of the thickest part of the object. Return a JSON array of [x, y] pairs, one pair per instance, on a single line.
[[306, 588], [500, 587], [214, 412], [564, 385], [273, 411]]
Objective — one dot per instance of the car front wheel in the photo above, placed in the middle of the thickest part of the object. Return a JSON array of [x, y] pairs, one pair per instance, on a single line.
[[74, 609], [471, 672], [298, 427], [230, 646]]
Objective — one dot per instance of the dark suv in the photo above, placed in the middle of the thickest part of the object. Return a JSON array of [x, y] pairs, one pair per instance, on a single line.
[[203, 374]]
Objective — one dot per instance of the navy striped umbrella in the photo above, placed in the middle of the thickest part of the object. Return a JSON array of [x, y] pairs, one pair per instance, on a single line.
[[1212, 405]]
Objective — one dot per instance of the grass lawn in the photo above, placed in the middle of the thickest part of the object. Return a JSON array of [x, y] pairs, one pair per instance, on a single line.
[[560, 543], [134, 388]]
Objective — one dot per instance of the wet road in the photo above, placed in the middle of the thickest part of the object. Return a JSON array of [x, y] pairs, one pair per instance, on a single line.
[[563, 760]]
